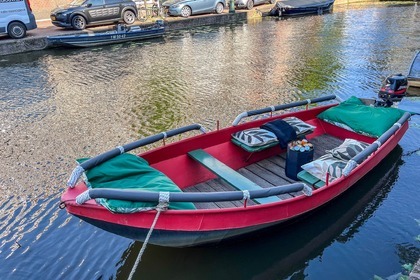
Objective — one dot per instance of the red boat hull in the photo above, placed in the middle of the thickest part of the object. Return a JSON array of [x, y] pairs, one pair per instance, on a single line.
[[181, 228]]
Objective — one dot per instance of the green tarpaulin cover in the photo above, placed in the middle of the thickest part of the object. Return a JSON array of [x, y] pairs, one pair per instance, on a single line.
[[361, 118], [128, 171]]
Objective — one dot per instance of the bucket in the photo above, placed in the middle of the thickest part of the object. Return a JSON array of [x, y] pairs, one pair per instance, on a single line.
[[295, 159]]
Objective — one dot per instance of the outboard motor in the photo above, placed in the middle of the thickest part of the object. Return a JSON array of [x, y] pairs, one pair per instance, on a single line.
[[393, 89]]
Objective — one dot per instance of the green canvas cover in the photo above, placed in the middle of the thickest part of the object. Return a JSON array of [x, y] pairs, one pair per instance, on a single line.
[[128, 171], [361, 118]]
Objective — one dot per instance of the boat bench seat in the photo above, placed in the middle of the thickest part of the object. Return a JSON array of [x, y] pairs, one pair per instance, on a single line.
[[229, 175], [310, 179]]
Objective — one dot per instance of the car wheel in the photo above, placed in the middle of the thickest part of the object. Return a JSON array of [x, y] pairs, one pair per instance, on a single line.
[[186, 11], [16, 30], [78, 22], [129, 17], [250, 4], [219, 8]]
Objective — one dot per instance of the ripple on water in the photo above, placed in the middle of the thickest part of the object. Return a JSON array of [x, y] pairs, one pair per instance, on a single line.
[[68, 104]]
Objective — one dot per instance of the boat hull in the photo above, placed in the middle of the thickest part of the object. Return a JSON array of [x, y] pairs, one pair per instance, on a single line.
[[184, 228], [292, 8], [105, 38]]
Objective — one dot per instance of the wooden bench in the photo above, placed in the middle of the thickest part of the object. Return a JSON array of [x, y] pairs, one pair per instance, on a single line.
[[229, 175], [310, 180]]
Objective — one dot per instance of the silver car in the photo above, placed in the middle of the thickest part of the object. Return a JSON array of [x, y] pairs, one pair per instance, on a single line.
[[249, 4], [185, 8]]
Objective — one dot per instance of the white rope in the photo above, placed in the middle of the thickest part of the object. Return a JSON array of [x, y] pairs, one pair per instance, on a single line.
[[162, 206], [246, 195], [308, 101], [377, 143], [397, 124], [83, 197], [121, 148], [307, 190], [351, 164], [75, 175], [272, 108], [165, 135]]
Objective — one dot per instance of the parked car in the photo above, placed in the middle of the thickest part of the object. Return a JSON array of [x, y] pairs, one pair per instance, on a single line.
[[249, 4], [81, 13], [16, 18], [185, 8]]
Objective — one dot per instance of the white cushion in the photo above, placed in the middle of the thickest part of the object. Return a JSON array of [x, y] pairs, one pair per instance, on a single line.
[[326, 163], [348, 149]]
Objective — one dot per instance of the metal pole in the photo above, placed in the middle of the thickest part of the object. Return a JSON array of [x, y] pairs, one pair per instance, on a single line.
[[232, 7]]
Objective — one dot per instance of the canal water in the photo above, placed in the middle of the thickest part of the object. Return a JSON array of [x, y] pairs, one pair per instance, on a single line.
[[59, 105]]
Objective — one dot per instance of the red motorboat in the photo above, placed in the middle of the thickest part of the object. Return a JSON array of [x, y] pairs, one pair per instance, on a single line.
[[236, 180]]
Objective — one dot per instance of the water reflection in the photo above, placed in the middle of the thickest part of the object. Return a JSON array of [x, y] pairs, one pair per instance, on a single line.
[[59, 105], [280, 252]]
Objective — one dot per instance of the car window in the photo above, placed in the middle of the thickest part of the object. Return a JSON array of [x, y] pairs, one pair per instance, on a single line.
[[112, 1], [77, 2], [95, 2]]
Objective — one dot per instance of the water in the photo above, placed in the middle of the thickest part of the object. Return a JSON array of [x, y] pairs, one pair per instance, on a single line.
[[59, 105]]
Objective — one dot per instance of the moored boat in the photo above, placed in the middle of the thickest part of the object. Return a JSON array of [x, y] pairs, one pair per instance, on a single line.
[[284, 8], [120, 34], [236, 180], [413, 76]]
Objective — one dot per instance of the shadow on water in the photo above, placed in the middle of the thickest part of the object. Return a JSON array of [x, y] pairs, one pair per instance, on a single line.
[[281, 251]]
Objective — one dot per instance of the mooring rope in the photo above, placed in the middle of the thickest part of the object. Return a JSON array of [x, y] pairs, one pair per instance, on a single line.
[[162, 206]]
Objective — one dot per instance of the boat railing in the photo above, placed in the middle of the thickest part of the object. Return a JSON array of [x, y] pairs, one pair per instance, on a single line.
[[95, 161], [143, 196], [360, 157], [281, 107]]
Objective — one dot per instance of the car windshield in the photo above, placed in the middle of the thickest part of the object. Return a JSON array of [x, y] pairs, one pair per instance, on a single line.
[[77, 2]]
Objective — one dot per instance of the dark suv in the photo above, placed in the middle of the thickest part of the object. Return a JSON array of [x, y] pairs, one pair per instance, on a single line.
[[80, 13]]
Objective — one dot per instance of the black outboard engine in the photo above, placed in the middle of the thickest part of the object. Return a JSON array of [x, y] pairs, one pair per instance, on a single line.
[[393, 89]]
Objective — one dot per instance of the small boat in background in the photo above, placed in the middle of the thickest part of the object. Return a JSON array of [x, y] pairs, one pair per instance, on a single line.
[[121, 33], [413, 76], [284, 8]]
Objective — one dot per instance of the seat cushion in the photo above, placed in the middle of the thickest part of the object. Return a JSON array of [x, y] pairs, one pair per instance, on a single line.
[[299, 126], [353, 115], [348, 149], [255, 137], [258, 139], [324, 164]]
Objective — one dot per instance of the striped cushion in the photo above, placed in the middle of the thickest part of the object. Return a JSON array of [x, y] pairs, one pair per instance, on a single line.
[[255, 137], [258, 137], [348, 149]]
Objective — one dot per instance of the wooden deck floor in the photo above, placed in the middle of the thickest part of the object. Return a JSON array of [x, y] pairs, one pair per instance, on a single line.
[[267, 173]]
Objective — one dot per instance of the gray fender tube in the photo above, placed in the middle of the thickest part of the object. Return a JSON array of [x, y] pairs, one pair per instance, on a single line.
[[95, 161], [144, 196], [280, 107]]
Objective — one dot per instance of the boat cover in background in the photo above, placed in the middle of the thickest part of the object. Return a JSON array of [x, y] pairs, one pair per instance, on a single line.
[[129, 171], [368, 120], [414, 71], [302, 3]]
